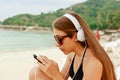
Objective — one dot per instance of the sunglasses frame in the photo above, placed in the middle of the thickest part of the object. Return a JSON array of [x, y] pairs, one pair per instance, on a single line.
[[59, 39]]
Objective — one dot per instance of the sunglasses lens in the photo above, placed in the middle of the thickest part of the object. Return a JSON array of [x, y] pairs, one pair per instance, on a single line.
[[58, 39]]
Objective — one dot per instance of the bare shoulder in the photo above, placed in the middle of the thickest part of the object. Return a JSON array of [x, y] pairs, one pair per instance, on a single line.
[[93, 69], [94, 63]]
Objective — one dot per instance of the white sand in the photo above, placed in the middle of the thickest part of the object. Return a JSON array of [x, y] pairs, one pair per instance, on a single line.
[[16, 65]]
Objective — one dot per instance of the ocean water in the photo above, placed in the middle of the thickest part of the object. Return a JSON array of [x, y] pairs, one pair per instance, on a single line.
[[21, 40]]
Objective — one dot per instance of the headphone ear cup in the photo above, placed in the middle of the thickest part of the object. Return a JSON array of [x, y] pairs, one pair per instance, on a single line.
[[80, 35]]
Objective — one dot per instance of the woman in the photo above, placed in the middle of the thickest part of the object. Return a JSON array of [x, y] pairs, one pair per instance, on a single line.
[[88, 61]]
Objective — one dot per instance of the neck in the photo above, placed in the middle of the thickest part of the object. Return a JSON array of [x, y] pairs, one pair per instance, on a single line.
[[79, 50]]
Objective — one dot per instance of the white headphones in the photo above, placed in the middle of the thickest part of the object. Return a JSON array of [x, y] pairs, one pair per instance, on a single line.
[[80, 33]]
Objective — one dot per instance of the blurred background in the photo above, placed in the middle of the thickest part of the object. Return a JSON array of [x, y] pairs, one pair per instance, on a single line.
[[26, 28]]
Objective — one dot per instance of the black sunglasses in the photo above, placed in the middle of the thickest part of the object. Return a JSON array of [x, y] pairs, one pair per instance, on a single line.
[[59, 39]]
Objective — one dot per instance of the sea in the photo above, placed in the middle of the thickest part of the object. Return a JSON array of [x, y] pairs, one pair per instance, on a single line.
[[11, 40]]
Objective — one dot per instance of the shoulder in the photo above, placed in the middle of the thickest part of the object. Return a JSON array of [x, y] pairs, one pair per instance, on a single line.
[[94, 66], [94, 63]]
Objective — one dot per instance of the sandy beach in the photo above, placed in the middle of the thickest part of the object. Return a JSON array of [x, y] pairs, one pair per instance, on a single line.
[[16, 65]]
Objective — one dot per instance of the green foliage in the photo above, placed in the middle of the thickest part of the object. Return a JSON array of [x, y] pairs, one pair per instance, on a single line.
[[23, 19], [113, 21], [100, 14]]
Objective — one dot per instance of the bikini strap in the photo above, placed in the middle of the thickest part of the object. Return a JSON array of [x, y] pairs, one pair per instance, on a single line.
[[82, 57], [84, 53], [73, 58]]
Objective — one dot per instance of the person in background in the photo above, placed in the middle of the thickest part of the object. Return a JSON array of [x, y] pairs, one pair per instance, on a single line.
[[97, 34], [86, 59]]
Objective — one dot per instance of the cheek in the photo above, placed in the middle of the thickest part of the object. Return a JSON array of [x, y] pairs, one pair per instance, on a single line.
[[68, 46]]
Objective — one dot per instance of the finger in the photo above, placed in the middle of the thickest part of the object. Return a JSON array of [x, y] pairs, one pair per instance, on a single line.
[[42, 67], [45, 59], [42, 56], [42, 61]]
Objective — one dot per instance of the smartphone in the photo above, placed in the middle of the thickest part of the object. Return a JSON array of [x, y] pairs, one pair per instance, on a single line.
[[35, 56]]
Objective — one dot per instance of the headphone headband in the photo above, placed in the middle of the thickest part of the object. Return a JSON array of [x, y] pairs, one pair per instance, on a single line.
[[74, 21], [80, 34]]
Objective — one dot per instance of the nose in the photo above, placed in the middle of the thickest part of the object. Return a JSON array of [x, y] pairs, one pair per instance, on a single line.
[[57, 44]]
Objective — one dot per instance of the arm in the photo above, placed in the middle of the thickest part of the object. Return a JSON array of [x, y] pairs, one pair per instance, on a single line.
[[50, 67], [93, 70]]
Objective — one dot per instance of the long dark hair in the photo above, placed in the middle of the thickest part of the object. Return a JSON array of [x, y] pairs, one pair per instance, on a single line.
[[67, 26]]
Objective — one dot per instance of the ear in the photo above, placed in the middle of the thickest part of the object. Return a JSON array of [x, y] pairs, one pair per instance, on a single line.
[[75, 37]]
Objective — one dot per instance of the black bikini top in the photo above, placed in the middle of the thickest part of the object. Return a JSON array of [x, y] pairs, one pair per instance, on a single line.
[[79, 74]]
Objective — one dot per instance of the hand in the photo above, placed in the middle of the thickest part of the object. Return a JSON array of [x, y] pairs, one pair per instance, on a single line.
[[49, 67]]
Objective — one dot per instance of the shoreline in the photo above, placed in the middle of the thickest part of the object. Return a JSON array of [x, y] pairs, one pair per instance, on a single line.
[[34, 31], [26, 28], [16, 65]]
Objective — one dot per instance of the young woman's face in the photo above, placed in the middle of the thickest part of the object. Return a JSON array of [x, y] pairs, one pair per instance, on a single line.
[[63, 41]]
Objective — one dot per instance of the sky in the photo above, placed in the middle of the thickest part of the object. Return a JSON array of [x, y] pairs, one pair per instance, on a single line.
[[9, 8]]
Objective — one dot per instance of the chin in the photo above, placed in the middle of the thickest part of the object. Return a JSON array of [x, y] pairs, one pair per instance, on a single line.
[[66, 52]]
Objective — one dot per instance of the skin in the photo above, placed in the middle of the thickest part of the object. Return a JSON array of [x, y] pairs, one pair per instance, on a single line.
[[92, 67]]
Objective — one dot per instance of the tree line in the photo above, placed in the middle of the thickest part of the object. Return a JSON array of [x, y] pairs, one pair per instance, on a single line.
[[99, 14]]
